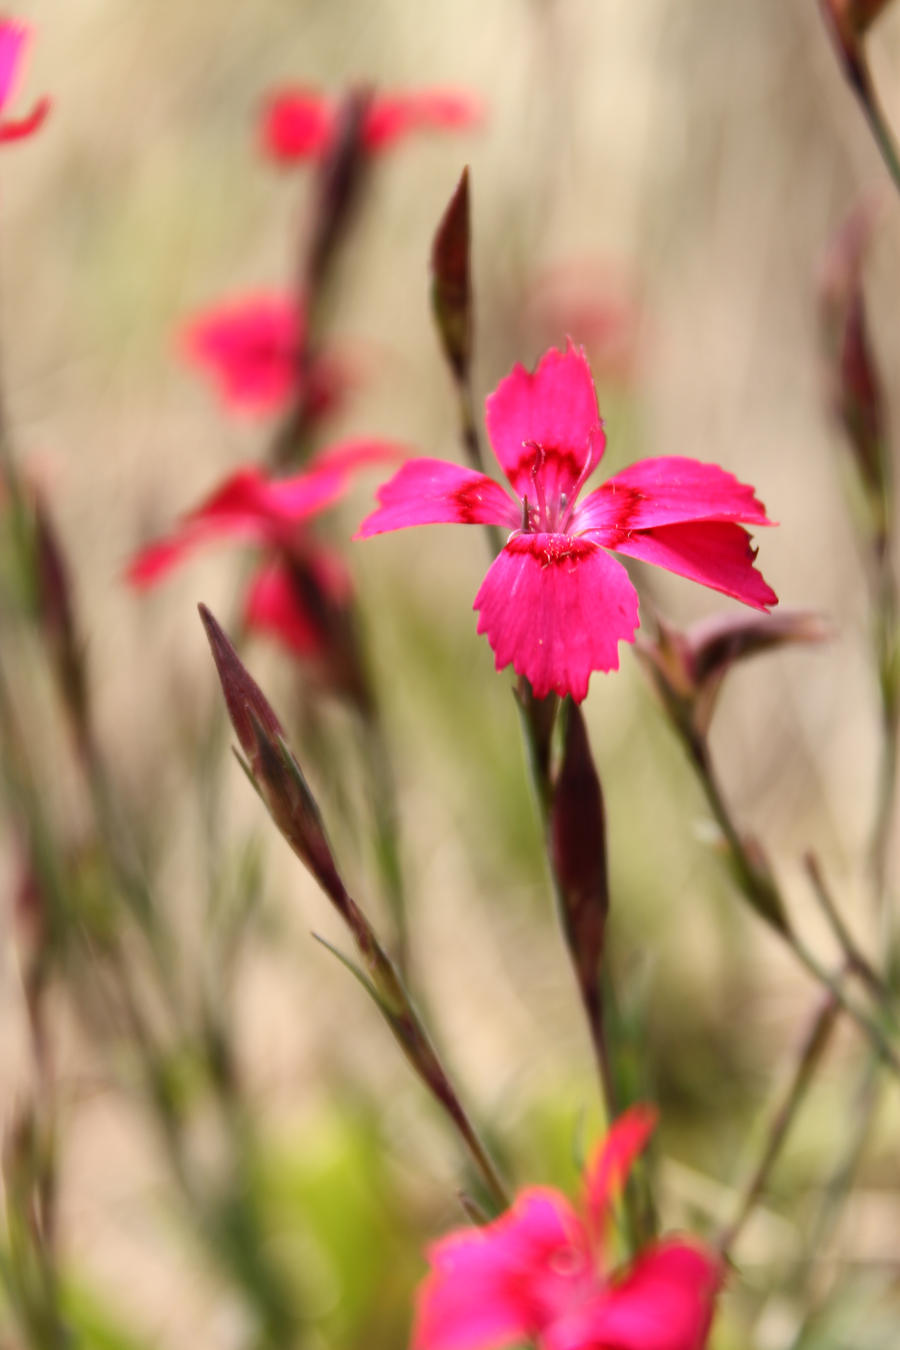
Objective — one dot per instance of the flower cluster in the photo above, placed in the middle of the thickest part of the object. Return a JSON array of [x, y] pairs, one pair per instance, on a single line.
[[554, 604]]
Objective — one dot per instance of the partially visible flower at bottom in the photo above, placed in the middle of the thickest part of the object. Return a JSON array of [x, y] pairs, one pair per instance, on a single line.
[[253, 350], [541, 1273], [14, 40]]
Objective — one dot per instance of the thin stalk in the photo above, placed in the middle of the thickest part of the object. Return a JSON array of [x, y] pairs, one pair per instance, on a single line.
[[807, 1061], [879, 127], [761, 889], [855, 959], [387, 843], [835, 1192]]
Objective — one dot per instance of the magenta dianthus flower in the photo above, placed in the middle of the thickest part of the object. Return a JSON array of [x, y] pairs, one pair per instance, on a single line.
[[541, 1273], [554, 603]]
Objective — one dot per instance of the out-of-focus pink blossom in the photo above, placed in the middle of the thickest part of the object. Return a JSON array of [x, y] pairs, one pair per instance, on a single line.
[[542, 1273], [253, 350], [299, 584], [14, 39], [554, 603], [596, 300], [301, 123], [290, 598]]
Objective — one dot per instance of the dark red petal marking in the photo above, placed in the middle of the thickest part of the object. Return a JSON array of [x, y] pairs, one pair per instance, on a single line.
[[435, 492], [669, 490]]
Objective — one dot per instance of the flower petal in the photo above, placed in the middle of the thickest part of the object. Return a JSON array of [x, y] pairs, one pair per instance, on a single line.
[[665, 1302], [151, 563], [392, 117], [22, 127], [250, 347], [290, 601], [554, 409], [488, 1287], [14, 39], [274, 606], [249, 506], [668, 491], [557, 608], [297, 124], [608, 1167], [434, 492], [715, 553]]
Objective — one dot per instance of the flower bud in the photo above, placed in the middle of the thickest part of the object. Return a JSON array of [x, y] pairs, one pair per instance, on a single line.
[[578, 849], [854, 384], [688, 668], [276, 773], [451, 291]]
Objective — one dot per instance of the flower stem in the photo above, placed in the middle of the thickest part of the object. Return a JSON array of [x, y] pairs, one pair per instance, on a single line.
[[810, 1053], [760, 888], [855, 959], [879, 127]]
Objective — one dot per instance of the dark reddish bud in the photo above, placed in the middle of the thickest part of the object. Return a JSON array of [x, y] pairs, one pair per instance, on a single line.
[[451, 291], [578, 847], [848, 21], [276, 773], [688, 667], [57, 618], [246, 702], [854, 385], [284, 790]]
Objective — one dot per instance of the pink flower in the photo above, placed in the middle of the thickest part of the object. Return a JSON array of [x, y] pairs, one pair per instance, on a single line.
[[594, 298], [253, 349], [299, 584], [14, 40], [554, 603], [541, 1272], [300, 123]]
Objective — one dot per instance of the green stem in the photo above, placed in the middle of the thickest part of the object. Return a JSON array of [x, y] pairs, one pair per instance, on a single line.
[[761, 890], [807, 1061], [879, 126]]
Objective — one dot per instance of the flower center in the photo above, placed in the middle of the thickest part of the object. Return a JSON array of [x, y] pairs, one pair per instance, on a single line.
[[544, 512]]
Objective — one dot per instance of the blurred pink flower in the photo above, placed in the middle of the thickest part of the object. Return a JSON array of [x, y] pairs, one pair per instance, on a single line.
[[290, 599], [554, 603], [596, 299], [541, 1272], [14, 39], [298, 580], [253, 350], [300, 123]]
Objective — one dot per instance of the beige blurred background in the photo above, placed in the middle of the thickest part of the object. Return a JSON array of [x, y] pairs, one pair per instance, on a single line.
[[702, 153]]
